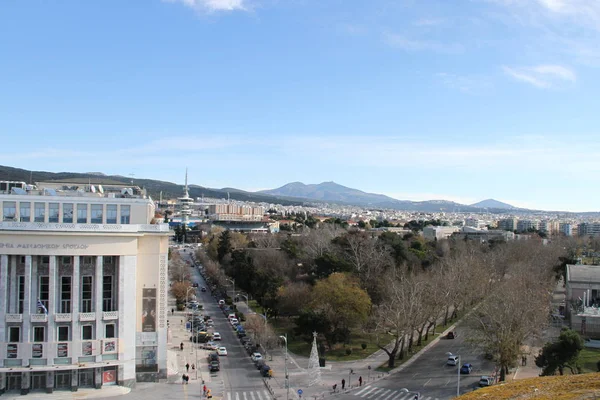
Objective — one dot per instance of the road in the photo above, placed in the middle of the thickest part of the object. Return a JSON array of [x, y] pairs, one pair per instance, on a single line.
[[429, 375], [238, 378]]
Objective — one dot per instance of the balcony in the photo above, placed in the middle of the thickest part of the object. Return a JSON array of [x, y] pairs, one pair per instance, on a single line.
[[87, 316], [63, 317], [39, 317], [14, 317], [110, 315]]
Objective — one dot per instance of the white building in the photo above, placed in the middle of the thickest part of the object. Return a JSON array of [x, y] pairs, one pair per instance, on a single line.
[[83, 286], [438, 232]]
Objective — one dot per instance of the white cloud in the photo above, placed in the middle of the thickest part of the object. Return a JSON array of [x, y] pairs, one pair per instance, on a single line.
[[542, 76], [213, 5], [404, 43], [466, 84]]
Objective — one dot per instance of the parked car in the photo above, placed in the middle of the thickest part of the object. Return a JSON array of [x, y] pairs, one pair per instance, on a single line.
[[203, 289], [234, 321], [216, 336], [213, 357], [486, 381], [266, 371], [230, 316], [466, 368], [210, 346], [214, 366], [452, 360], [260, 363], [255, 357], [210, 322], [222, 351], [451, 335], [221, 302]]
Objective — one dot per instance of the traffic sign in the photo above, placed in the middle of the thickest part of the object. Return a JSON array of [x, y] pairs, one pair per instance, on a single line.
[[300, 392]]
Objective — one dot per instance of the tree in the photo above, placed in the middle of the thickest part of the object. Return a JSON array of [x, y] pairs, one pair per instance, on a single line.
[[293, 298], [224, 247], [179, 290], [341, 300], [564, 353]]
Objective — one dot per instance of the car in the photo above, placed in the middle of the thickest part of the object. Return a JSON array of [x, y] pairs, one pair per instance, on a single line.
[[203, 289], [234, 321], [451, 335], [466, 368], [255, 357], [486, 381], [452, 360], [221, 302], [213, 357], [245, 340], [210, 322], [210, 346], [214, 366], [195, 284], [266, 371], [259, 363], [216, 336], [222, 351]]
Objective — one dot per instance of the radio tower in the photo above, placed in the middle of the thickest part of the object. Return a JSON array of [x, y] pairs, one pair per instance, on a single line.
[[185, 203]]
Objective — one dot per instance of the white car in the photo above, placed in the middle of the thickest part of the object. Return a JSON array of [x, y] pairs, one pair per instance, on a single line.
[[216, 336], [222, 351], [256, 356], [234, 321], [452, 360]]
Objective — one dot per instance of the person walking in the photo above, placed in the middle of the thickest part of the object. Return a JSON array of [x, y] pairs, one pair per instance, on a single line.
[[193, 367], [181, 346], [209, 394], [343, 384], [172, 311], [187, 367], [360, 381], [204, 390], [334, 387], [182, 379]]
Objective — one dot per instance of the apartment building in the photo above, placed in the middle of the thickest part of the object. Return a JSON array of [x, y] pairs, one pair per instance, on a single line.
[[525, 225], [438, 232], [507, 224], [83, 288]]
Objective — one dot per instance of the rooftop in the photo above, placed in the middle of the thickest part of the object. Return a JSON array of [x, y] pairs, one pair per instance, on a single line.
[[583, 273], [73, 188]]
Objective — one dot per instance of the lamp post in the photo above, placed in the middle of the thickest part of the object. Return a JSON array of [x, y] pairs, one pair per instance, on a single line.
[[458, 374], [287, 378], [233, 282], [417, 394], [194, 349], [245, 297]]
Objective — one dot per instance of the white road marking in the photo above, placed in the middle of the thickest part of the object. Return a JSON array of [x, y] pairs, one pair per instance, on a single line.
[[390, 394], [259, 396], [237, 396], [245, 398], [362, 390], [428, 380], [228, 396], [267, 394], [369, 391], [375, 393], [252, 395]]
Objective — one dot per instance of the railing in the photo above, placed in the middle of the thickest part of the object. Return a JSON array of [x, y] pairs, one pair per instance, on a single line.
[[39, 317], [43, 226], [63, 317], [87, 316], [14, 317], [110, 315]]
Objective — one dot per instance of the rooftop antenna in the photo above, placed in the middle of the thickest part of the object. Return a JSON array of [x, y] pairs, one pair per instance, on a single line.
[[132, 175], [31, 177], [227, 197], [186, 183]]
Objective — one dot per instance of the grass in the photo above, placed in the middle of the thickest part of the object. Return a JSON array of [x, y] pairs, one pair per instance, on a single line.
[[254, 306], [588, 359]]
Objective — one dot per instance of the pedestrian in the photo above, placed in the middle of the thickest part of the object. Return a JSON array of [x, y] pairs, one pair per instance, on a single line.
[[360, 381], [187, 367], [182, 379], [193, 367], [343, 384], [204, 390], [523, 360], [334, 387], [187, 379], [209, 394], [181, 346], [172, 311]]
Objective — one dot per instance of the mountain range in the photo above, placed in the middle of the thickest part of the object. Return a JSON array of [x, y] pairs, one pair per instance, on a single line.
[[295, 193]]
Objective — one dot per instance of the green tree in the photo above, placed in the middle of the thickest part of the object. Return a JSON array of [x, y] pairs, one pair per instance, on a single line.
[[224, 246], [342, 301], [564, 353]]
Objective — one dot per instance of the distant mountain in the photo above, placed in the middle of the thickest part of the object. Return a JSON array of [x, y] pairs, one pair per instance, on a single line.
[[491, 203]]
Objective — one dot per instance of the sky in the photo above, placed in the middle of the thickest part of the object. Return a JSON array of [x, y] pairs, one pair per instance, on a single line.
[[417, 99]]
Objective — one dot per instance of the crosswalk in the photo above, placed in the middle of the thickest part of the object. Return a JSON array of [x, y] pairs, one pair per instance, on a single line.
[[249, 395], [377, 393]]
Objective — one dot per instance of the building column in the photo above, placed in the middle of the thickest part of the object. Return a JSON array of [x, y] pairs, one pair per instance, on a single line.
[[27, 311], [2, 382], [49, 381], [98, 299], [25, 382], [76, 338], [13, 284], [98, 378], [34, 285], [128, 319], [53, 308], [4, 298]]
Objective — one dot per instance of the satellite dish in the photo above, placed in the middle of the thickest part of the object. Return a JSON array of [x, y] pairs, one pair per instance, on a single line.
[[93, 189], [100, 189]]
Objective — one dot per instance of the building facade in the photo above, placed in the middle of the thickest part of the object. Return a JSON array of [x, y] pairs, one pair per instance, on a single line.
[[83, 286]]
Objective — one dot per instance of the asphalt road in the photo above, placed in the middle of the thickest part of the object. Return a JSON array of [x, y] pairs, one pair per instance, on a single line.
[[238, 378], [429, 375]]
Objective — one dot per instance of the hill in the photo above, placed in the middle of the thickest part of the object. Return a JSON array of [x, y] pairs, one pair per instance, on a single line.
[[491, 203], [567, 387], [154, 187]]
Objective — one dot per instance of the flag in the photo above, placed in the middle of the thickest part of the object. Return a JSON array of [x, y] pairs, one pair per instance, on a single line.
[[41, 306]]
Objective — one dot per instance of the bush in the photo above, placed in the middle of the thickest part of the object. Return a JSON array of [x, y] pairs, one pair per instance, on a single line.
[[363, 346], [598, 366], [348, 351], [180, 307], [322, 362], [241, 316]]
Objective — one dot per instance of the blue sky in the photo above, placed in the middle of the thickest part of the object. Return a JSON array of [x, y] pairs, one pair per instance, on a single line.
[[417, 99]]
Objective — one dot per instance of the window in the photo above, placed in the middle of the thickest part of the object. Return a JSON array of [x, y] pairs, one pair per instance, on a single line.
[[82, 213], [39, 334], [68, 213], [40, 212], [125, 214], [45, 260], [25, 211], [14, 334], [87, 332], [53, 212], [107, 293], [65, 294], [21, 293], [96, 213], [109, 331], [66, 260], [87, 260], [44, 292], [9, 210], [111, 213], [63, 334], [86, 293]]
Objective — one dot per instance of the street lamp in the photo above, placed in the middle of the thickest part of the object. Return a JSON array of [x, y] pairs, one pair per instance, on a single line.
[[233, 282], [417, 394], [287, 378], [246, 297], [458, 374], [194, 348]]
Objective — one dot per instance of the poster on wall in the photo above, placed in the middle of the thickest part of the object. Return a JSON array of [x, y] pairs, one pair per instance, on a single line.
[[109, 346], [11, 350], [109, 376], [37, 350], [87, 348], [148, 310], [63, 350]]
